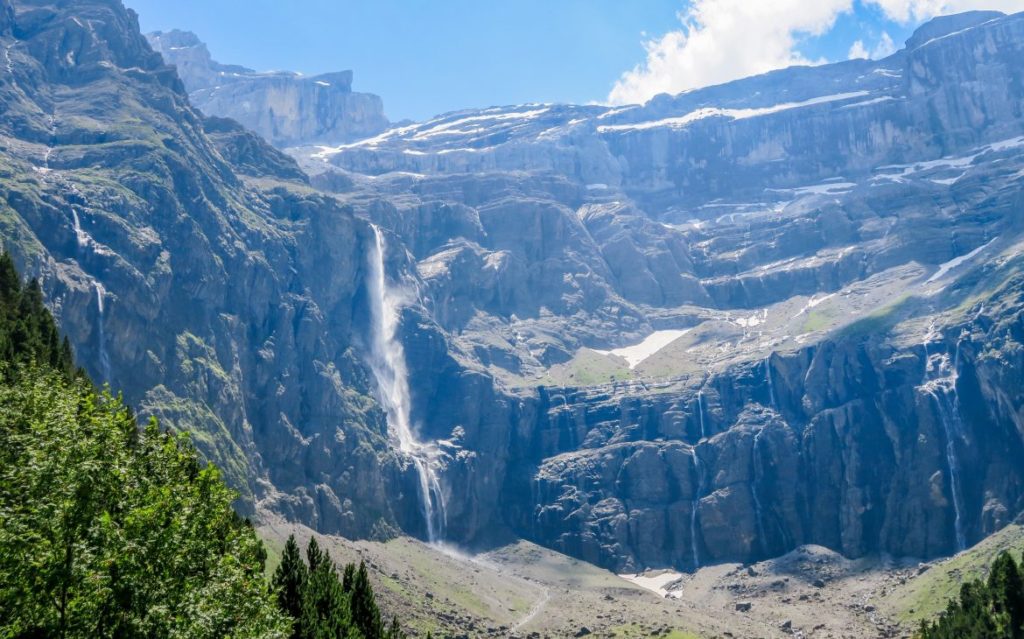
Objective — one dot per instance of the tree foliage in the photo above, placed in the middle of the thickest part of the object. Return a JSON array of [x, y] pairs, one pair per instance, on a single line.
[[992, 609], [324, 605], [28, 332], [106, 529], [109, 530]]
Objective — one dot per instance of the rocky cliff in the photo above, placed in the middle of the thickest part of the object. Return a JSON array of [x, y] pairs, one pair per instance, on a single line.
[[183, 256], [285, 108], [713, 327], [726, 323]]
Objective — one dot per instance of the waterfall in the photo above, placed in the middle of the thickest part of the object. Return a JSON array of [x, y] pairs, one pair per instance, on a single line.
[[694, 516], [388, 365], [81, 237], [771, 384], [700, 414], [101, 293], [940, 379], [757, 466]]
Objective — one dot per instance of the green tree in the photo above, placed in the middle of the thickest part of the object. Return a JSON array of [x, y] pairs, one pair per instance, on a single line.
[[1007, 593], [107, 530], [365, 613], [325, 609], [289, 582], [992, 609], [395, 630]]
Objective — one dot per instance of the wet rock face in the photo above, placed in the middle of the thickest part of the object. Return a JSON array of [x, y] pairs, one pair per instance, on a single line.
[[287, 109], [861, 469]]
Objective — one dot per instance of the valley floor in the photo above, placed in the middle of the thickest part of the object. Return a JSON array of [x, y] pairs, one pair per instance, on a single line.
[[523, 590]]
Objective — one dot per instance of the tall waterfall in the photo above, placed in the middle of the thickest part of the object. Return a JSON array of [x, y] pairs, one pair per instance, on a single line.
[[771, 384], [940, 384], [700, 414], [387, 362], [694, 516], [756, 469], [101, 293]]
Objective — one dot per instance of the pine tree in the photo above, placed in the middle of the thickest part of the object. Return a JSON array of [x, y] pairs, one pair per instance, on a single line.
[[325, 610], [289, 582], [314, 556], [395, 631], [348, 578], [365, 613], [1007, 593]]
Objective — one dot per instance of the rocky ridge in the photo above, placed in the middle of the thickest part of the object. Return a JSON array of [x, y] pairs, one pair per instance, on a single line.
[[285, 108]]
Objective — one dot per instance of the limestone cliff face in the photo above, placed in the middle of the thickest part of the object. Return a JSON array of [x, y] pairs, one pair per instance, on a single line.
[[708, 328], [836, 250], [285, 108]]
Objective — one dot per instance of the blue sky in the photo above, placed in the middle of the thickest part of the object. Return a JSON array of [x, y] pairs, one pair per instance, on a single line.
[[425, 57]]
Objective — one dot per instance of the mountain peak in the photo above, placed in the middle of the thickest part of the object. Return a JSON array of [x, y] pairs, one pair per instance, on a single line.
[[284, 107]]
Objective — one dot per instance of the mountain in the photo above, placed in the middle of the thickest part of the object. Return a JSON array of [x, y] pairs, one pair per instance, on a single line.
[[193, 267], [710, 328], [723, 324], [285, 108]]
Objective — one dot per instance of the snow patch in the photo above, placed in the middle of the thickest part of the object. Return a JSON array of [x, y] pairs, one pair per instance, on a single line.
[[814, 301], [946, 267], [735, 114], [656, 582], [653, 343]]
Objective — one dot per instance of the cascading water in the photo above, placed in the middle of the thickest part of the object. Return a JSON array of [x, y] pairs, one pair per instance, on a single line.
[[694, 515], [757, 470], [940, 379], [771, 384], [101, 293], [387, 362], [700, 414]]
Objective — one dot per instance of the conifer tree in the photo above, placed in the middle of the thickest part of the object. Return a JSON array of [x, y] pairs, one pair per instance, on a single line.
[[289, 582], [348, 578], [365, 613], [325, 610], [395, 630]]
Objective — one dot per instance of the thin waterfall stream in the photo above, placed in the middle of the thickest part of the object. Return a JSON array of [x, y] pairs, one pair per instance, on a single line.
[[940, 379], [757, 470], [694, 511], [389, 368], [101, 293]]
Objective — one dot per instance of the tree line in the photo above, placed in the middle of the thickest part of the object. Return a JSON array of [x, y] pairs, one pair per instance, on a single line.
[[986, 609], [109, 529]]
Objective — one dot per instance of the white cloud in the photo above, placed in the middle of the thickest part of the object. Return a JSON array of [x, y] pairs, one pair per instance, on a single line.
[[858, 51], [883, 48], [722, 40]]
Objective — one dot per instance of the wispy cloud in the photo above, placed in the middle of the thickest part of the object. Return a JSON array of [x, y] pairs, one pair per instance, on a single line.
[[722, 40], [884, 47]]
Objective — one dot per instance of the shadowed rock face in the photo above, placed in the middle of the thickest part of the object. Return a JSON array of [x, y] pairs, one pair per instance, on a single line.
[[837, 249], [285, 108]]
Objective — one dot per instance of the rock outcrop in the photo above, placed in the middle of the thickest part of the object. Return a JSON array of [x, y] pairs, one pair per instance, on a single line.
[[286, 108]]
